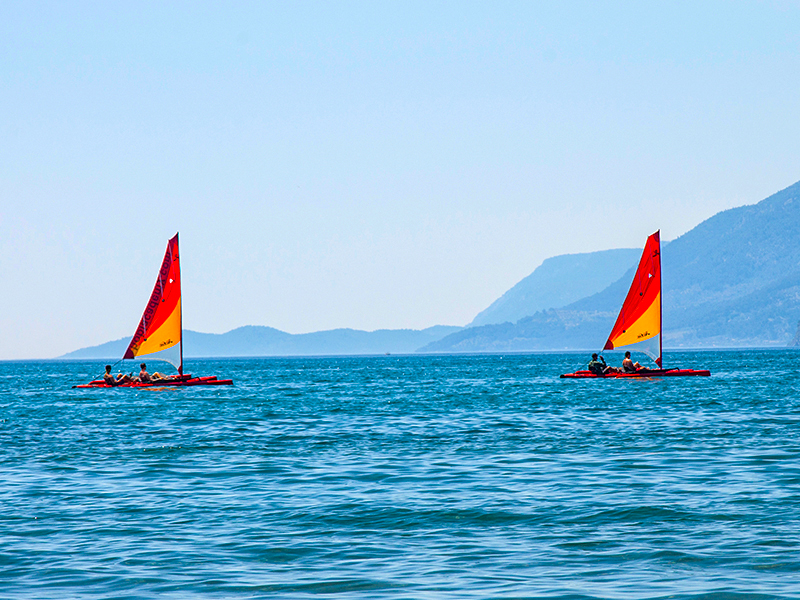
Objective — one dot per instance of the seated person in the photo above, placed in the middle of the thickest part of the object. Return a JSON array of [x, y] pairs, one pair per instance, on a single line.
[[111, 380], [145, 377], [598, 366], [628, 366]]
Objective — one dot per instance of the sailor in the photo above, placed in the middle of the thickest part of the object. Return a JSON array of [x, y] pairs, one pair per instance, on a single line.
[[628, 366], [110, 380], [598, 366], [145, 377]]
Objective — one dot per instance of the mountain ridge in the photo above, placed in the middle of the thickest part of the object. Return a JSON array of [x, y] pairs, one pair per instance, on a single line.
[[557, 282], [731, 281], [257, 340]]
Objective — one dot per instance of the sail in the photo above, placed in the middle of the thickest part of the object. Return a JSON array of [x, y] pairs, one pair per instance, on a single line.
[[161, 326], [639, 320]]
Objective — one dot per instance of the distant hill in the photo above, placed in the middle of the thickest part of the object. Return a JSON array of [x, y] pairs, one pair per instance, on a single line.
[[734, 280], [267, 341], [559, 281]]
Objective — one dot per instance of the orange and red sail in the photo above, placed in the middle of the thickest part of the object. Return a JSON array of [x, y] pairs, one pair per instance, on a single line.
[[639, 319], [161, 326]]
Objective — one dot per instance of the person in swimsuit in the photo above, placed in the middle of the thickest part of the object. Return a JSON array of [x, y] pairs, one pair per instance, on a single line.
[[145, 377], [628, 366], [111, 380]]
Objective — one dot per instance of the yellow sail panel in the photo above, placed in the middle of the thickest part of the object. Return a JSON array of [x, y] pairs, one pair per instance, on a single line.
[[648, 325], [167, 335]]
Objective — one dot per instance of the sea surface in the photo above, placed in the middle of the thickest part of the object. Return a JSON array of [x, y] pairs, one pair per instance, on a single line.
[[480, 476]]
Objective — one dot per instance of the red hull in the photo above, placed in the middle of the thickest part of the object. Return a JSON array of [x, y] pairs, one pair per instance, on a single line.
[[640, 374], [180, 381]]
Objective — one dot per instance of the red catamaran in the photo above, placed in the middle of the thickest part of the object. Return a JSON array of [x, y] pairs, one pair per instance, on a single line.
[[639, 320], [161, 328]]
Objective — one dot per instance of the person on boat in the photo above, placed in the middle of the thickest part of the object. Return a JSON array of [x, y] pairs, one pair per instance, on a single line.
[[145, 377], [118, 380], [598, 366], [628, 366]]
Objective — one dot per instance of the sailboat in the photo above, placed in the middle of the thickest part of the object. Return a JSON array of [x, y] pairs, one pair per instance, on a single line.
[[639, 320], [160, 329]]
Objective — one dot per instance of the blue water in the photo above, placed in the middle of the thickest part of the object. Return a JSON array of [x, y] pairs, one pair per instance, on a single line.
[[404, 477]]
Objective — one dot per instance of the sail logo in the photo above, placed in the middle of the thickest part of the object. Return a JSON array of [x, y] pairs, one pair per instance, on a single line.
[[167, 343], [643, 335]]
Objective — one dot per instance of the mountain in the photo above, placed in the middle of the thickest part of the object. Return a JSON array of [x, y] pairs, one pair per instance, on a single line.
[[267, 341], [734, 280], [559, 281]]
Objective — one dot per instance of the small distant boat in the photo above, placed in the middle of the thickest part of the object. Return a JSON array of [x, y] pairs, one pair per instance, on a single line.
[[161, 328], [639, 320]]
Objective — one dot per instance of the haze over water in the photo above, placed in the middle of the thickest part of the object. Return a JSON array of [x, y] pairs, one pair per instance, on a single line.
[[404, 477]]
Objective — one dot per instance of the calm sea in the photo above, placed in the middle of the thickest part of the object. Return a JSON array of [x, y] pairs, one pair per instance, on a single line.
[[404, 477]]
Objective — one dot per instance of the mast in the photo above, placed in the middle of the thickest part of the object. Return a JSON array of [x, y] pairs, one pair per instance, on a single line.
[[659, 362], [180, 367]]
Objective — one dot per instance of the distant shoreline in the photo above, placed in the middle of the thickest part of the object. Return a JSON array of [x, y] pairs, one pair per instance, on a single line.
[[405, 354]]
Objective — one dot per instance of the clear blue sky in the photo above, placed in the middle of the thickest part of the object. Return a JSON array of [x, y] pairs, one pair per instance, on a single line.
[[367, 165]]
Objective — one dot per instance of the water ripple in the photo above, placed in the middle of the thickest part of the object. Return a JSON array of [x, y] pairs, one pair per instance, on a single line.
[[404, 477]]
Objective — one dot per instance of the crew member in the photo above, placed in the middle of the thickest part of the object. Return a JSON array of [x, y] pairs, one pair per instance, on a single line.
[[628, 366], [598, 366], [145, 377], [111, 380]]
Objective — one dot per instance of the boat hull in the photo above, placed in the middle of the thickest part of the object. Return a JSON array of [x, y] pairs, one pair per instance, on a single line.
[[640, 374], [180, 381]]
